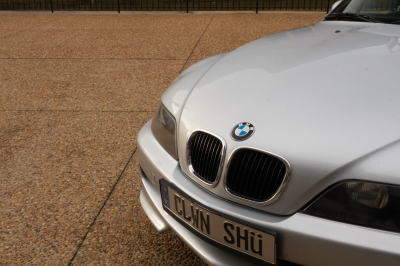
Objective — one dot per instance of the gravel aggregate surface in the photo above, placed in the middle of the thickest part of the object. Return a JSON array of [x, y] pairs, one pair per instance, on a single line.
[[56, 169], [10, 22], [123, 235], [94, 43], [74, 91], [87, 85]]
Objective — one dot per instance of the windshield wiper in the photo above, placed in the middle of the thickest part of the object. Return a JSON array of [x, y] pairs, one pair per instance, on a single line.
[[353, 16], [394, 12]]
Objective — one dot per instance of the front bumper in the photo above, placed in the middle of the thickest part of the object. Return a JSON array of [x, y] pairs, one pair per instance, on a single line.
[[301, 238]]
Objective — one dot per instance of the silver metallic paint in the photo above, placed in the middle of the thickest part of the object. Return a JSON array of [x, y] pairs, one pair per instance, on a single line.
[[327, 102], [320, 99], [176, 95], [155, 217], [302, 238], [335, 5]]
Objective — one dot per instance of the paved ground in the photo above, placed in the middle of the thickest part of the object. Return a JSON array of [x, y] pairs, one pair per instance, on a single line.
[[74, 91]]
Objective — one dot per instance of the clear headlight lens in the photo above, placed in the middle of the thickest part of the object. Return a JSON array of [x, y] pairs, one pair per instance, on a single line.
[[163, 127], [364, 203], [368, 194]]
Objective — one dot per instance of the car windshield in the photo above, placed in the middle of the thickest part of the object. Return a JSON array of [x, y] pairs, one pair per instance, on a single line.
[[376, 11]]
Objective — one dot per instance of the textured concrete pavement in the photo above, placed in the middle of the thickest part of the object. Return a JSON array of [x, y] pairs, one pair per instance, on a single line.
[[74, 91]]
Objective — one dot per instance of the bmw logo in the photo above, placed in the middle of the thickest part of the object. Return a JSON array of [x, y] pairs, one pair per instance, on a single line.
[[242, 131]]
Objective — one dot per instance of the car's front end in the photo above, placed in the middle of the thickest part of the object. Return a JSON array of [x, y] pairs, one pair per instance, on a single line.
[[284, 150]]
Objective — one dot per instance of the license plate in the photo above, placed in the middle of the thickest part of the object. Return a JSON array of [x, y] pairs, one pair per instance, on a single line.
[[253, 242]]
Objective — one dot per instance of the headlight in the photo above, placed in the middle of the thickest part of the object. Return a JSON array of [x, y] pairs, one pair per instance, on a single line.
[[364, 203], [163, 127]]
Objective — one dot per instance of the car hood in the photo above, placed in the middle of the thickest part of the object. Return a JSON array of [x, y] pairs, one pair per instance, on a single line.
[[322, 97]]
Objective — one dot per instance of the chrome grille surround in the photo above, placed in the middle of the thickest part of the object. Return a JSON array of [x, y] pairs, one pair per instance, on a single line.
[[275, 195], [189, 157]]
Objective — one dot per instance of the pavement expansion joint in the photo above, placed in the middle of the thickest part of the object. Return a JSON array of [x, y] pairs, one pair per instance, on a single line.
[[102, 207], [72, 103], [191, 53]]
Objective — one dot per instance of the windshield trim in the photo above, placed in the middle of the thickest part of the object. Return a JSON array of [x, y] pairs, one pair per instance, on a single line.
[[337, 14]]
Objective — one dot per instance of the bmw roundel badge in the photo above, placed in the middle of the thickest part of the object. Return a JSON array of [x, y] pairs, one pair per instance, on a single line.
[[242, 131]]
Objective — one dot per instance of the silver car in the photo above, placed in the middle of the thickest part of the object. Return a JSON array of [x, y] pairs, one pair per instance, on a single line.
[[286, 150]]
